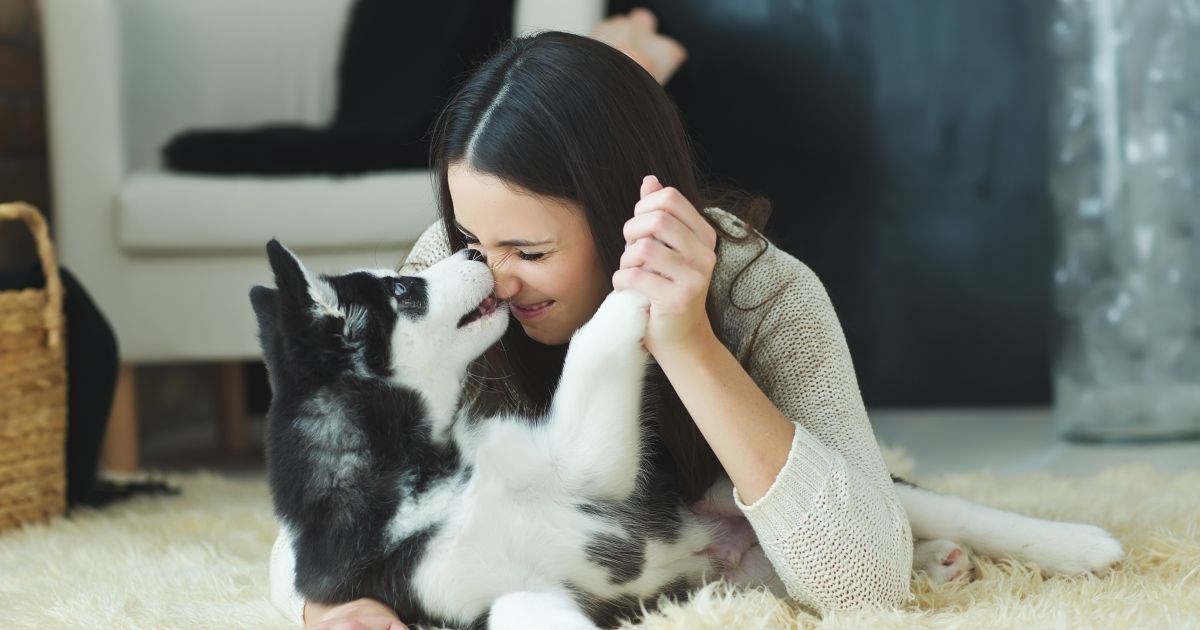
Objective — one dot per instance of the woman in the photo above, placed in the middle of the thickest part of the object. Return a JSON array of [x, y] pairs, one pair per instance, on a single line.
[[567, 165]]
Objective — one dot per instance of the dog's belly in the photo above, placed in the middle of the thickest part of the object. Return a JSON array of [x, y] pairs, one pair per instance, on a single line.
[[498, 541]]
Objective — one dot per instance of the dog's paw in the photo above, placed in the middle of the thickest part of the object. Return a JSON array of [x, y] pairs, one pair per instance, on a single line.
[[620, 322], [942, 560]]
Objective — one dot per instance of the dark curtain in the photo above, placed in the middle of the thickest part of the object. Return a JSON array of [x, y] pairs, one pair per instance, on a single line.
[[904, 146]]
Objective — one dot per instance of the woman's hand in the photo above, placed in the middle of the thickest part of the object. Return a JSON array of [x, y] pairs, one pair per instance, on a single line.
[[360, 614], [669, 257]]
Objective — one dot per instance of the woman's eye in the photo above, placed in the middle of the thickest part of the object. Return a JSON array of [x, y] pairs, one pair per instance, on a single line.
[[525, 256], [399, 288]]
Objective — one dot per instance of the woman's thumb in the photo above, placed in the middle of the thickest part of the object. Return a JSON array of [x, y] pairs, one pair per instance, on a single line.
[[650, 184]]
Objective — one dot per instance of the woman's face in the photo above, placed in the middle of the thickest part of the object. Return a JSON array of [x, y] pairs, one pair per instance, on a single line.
[[540, 250]]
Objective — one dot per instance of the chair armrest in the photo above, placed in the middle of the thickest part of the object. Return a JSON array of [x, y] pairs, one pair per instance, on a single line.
[[87, 156]]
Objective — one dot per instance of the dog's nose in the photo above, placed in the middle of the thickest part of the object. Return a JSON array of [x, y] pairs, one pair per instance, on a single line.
[[475, 254]]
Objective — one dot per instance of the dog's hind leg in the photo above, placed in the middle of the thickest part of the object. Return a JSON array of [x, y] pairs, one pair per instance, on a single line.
[[594, 428], [1054, 546]]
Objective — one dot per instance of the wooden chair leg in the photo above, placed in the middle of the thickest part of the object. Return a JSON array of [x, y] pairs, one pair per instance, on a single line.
[[121, 436], [233, 431]]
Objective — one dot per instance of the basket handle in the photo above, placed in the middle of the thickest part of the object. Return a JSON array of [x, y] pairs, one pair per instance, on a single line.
[[54, 288]]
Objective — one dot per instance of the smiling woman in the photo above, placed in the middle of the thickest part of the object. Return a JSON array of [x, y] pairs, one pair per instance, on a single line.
[[565, 165], [540, 250], [547, 143], [568, 166]]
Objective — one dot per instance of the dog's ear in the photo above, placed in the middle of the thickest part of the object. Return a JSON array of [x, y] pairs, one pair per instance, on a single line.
[[266, 309], [298, 314], [290, 275], [265, 302]]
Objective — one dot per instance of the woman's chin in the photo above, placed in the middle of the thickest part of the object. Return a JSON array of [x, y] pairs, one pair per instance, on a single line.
[[545, 337]]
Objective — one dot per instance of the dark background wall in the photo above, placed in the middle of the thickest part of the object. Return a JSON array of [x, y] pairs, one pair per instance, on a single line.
[[904, 146], [902, 142]]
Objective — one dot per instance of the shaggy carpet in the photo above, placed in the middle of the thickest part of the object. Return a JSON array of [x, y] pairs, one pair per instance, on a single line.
[[199, 560]]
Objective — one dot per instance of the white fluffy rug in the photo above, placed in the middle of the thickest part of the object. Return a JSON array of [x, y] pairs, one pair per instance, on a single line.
[[199, 560]]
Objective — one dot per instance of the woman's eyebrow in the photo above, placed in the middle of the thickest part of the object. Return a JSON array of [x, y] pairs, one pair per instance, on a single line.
[[507, 243]]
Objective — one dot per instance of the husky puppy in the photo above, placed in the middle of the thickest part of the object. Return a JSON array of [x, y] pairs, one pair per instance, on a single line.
[[391, 490]]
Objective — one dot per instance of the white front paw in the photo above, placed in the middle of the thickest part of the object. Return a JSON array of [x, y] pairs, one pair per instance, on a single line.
[[619, 323]]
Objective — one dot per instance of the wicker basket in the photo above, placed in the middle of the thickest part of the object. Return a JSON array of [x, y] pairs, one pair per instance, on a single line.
[[33, 388]]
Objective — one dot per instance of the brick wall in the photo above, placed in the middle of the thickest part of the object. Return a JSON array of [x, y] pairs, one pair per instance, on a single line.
[[24, 170]]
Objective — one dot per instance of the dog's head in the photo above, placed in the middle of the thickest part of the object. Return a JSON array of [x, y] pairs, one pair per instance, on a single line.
[[376, 323]]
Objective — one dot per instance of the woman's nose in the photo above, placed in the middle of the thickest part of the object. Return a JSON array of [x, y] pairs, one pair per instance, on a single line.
[[506, 285]]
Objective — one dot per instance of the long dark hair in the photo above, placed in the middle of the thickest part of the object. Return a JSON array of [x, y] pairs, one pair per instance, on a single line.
[[568, 117]]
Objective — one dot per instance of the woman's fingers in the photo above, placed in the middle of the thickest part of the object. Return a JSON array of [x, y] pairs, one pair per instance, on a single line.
[[663, 227], [648, 283], [655, 257], [674, 203], [667, 236], [650, 184], [665, 230]]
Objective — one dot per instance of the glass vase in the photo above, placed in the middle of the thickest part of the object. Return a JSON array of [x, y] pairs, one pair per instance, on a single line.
[[1125, 125]]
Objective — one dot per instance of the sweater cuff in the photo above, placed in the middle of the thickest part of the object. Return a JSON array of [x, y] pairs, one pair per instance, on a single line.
[[793, 493]]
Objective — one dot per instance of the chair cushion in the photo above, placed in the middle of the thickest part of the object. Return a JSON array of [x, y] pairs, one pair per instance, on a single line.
[[164, 212], [400, 62]]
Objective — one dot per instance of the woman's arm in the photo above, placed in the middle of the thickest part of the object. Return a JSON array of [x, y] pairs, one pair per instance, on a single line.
[[366, 613], [822, 502], [825, 510], [715, 389]]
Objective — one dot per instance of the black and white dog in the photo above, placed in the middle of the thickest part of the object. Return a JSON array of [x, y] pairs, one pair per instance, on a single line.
[[391, 491]]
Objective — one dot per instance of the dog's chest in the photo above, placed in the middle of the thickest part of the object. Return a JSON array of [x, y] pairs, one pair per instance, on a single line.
[[490, 541]]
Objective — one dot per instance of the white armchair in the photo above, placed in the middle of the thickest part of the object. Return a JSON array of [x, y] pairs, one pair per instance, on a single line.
[[170, 257]]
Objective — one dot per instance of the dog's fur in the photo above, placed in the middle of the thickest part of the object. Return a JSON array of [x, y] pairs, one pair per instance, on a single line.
[[390, 490]]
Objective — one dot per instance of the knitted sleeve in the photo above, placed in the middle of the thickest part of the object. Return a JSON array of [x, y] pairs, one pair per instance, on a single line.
[[430, 247], [831, 523]]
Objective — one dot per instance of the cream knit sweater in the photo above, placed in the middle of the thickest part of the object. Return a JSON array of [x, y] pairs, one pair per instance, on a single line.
[[831, 523]]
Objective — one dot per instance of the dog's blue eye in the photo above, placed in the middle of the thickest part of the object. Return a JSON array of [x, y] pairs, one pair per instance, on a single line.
[[399, 288]]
